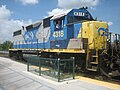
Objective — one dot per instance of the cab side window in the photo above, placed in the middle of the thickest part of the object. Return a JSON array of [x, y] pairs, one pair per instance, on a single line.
[[59, 24], [70, 19], [46, 22]]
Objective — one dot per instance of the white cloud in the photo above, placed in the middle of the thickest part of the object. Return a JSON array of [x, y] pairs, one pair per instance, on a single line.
[[7, 25], [4, 13], [26, 2], [110, 23], [93, 8], [55, 11], [70, 4], [77, 3]]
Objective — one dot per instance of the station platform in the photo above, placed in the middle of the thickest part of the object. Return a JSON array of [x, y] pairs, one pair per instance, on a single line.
[[14, 76]]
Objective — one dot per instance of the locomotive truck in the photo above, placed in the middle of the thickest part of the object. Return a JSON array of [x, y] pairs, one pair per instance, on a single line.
[[71, 33]]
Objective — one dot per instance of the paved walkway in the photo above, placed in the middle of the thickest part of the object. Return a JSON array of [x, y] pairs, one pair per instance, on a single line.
[[13, 76]]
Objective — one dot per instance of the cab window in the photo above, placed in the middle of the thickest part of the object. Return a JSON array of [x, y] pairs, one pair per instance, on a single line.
[[77, 18], [58, 24], [19, 32], [70, 19], [46, 22]]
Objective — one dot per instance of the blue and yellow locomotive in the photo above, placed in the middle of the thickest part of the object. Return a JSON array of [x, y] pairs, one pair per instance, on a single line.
[[71, 33]]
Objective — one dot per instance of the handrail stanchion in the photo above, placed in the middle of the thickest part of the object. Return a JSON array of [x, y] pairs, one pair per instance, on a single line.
[[58, 69], [73, 67]]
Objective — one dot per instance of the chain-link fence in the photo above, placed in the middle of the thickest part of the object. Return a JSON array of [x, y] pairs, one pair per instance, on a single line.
[[55, 69]]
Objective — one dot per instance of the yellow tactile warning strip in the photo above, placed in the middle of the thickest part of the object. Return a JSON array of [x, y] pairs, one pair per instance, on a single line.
[[100, 83]]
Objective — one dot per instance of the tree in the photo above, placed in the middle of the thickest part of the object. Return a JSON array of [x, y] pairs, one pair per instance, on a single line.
[[6, 45], [0, 47]]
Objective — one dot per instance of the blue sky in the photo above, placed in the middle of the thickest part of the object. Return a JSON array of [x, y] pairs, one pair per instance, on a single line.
[[15, 13]]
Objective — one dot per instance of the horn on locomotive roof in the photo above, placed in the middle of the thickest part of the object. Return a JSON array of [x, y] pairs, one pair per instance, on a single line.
[[84, 7]]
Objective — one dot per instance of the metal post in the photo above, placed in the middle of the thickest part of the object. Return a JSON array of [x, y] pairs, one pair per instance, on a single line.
[[27, 66], [73, 67], [58, 69], [39, 67]]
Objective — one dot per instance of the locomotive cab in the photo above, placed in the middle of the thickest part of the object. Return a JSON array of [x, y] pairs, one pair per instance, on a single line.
[[65, 28]]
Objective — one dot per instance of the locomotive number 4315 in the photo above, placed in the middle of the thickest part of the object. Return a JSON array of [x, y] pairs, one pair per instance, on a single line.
[[57, 34]]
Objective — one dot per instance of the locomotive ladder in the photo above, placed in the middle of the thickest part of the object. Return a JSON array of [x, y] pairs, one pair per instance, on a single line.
[[92, 59]]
